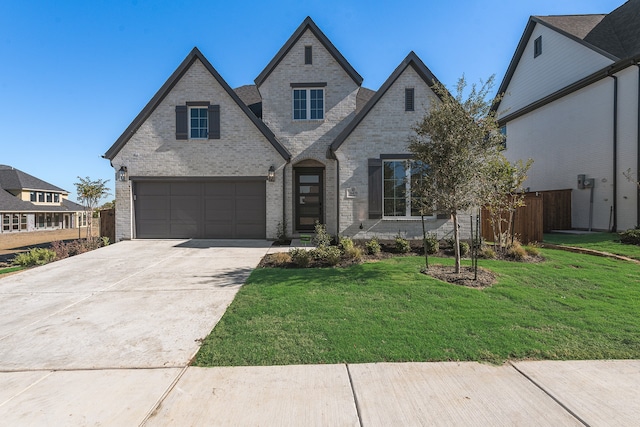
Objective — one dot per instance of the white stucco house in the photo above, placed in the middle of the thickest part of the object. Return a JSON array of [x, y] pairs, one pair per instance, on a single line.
[[306, 142], [571, 102]]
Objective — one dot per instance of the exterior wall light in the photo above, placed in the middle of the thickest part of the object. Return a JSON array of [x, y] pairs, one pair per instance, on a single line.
[[122, 173], [271, 177]]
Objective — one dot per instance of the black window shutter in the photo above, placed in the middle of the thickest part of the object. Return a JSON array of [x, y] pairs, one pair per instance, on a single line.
[[182, 128], [214, 122], [408, 99], [375, 188], [308, 54]]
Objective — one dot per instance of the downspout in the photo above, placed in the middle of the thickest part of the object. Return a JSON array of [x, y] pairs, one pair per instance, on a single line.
[[614, 227], [284, 198], [638, 153], [333, 156]]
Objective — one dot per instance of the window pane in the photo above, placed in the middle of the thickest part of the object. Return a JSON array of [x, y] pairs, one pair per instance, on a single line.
[[309, 179], [32, 196], [299, 104], [199, 122], [317, 104], [56, 197]]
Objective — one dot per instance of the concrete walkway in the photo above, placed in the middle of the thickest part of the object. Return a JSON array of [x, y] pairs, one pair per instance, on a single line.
[[106, 338]]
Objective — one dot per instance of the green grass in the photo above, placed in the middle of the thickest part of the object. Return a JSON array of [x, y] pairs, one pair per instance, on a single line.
[[572, 306], [605, 242], [10, 269]]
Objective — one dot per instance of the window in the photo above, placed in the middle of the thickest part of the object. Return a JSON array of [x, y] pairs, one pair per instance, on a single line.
[[6, 222], [308, 54], [503, 131], [198, 123], [41, 197], [16, 222], [399, 198], [537, 47], [56, 198], [40, 220], [56, 220], [23, 222], [49, 197], [408, 99], [32, 196], [308, 104]]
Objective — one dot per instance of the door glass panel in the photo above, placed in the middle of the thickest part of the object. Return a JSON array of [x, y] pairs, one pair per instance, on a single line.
[[309, 189], [309, 179]]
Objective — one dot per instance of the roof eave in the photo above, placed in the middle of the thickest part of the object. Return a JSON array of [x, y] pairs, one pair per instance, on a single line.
[[308, 24]]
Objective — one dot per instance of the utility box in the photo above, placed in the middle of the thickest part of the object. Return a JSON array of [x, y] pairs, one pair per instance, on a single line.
[[589, 183], [581, 179]]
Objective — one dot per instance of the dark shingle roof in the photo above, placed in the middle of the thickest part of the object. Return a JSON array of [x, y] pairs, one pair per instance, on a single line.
[[14, 179], [363, 96], [11, 203], [619, 32], [250, 95], [576, 25]]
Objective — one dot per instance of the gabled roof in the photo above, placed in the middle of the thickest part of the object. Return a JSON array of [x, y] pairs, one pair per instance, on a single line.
[[615, 35], [11, 203], [15, 179], [412, 60], [194, 55], [308, 24]]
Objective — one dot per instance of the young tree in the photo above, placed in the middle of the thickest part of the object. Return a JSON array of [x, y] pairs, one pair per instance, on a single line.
[[503, 193], [455, 139], [89, 194]]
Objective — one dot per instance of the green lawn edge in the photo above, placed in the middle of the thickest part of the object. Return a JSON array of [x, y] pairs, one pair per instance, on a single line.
[[571, 306]]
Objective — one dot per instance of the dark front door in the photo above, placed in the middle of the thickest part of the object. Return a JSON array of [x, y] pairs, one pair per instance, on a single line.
[[309, 198]]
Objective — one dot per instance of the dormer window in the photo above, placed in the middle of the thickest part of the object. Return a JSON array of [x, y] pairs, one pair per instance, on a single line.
[[537, 47], [308, 54]]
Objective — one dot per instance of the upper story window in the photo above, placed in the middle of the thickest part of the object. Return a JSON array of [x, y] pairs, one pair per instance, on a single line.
[[198, 122], [409, 104], [49, 197], [400, 198], [32, 196], [537, 47], [40, 197], [308, 54], [308, 104], [56, 198]]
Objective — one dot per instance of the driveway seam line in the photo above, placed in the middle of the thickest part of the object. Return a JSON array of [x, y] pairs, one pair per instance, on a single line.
[[548, 393], [355, 397], [26, 389], [156, 406]]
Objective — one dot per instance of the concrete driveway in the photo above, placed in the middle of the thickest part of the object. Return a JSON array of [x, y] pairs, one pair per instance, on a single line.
[[81, 324]]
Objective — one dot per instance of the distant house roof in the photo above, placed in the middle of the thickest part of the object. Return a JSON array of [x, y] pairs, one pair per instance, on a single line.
[[615, 35], [308, 24], [194, 55], [15, 179], [412, 60]]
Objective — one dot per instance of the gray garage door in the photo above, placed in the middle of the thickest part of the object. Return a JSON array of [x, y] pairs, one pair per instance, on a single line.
[[201, 210]]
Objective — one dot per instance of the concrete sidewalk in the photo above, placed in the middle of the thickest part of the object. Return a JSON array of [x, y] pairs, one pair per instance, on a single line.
[[106, 338]]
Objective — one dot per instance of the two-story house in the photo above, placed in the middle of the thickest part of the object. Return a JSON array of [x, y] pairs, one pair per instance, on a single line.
[[571, 102], [29, 204], [306, 143]]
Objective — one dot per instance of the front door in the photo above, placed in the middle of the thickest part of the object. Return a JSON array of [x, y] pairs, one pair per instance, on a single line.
[[309, 198]]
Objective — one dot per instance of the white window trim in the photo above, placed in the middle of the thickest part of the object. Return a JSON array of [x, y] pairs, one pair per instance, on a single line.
[[407, 216], [308, 103], [197, 107]]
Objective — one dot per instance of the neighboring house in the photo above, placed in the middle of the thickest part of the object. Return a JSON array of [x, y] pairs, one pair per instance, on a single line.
[[305, 144], [571, 103], [31, 204]]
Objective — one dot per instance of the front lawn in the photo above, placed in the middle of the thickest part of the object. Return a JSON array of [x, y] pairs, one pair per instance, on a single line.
[[605, 242], [7, 270], [571, 306]]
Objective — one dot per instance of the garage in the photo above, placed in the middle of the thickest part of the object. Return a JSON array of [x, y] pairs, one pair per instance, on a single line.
[[216, 209]]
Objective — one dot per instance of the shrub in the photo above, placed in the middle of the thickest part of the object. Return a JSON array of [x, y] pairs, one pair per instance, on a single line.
[[300, 257], [402, 245], [61, 249], [372, 246], [532, 250], [281, 232], [431, 245], [516, 252], [353, 253], [280, 259], [346, 244], [321, 238], [329, 255], [464, 249], [630, 237], [487, 253], [36, 256]]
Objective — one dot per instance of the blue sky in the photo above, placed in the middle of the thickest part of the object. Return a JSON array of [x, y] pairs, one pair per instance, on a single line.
[[74, 74]]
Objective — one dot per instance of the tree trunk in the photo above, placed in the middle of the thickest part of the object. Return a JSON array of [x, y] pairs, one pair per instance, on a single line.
[[456, 238]]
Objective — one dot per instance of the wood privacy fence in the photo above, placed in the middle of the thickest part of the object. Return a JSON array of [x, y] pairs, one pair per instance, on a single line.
[[543, 211], [108, 224]]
